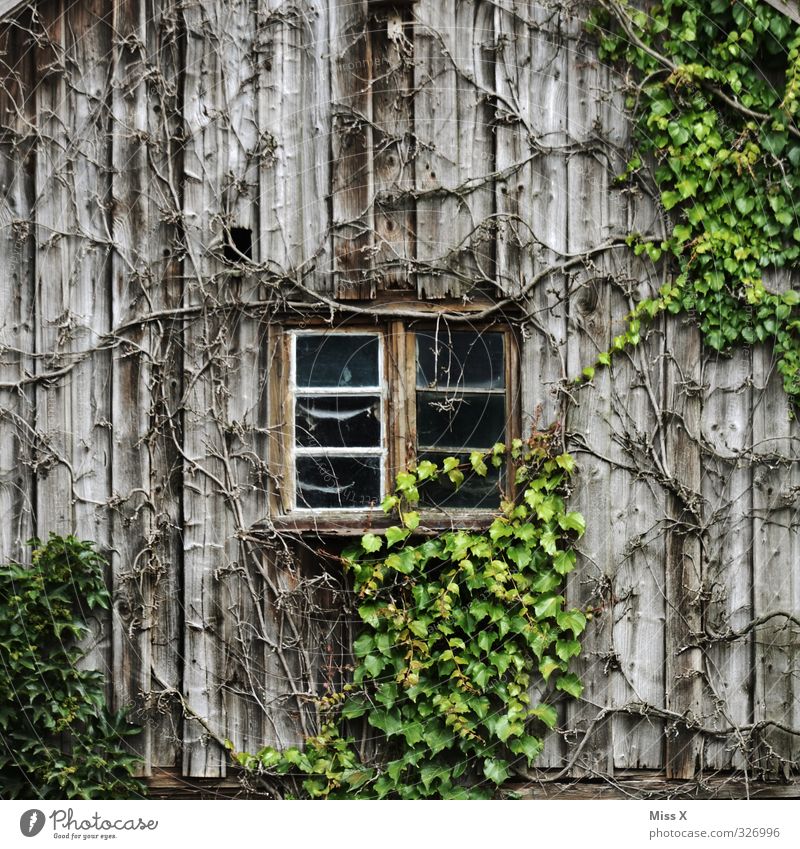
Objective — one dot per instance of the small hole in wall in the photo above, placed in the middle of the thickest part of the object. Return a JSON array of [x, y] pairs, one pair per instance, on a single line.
[[238, 245]]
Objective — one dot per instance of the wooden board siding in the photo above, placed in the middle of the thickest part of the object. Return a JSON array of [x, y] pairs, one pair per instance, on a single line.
[[293, 79], [17, 320], [381, 155], [727, 430], [73, 414], [131, 518], [776, 552], [455, 146]]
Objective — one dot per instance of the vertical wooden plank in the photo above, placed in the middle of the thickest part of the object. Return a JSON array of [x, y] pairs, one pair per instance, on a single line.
[[239, 407], [17, 413], [73, 306], [776, 552], [684, 565], [135, 261], [54, 482], [352, 177], [455, 147], [393, 152], [531, 74], [205, 527], [165, 44], [531, 203], [727, 492], [589, 331], [634, 600], [294, 121]]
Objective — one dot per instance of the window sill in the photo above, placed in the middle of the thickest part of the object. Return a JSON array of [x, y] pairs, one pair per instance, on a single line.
[[353, 524]]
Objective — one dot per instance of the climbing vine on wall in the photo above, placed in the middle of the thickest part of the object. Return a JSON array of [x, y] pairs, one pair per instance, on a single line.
[[457, 627], [714, 87]]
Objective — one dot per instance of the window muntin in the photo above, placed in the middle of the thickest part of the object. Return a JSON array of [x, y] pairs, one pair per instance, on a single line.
[[339, 431]]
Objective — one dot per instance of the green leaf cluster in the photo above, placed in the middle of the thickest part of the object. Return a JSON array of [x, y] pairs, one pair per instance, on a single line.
[[716, 103], [58, 739], [457, 628]]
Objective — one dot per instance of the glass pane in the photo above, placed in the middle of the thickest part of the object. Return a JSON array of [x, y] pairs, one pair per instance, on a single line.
[[475, 491], [460, 421], [455, 359], [340, 482], [338, 421], [336, 359]]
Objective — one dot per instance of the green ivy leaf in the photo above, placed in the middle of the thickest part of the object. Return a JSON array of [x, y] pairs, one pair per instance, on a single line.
[[546, 713], [426, 470], [572, 620], [371, 543], [573, 522], [496, 770], [570, 684], [395, 535], [477, 463]]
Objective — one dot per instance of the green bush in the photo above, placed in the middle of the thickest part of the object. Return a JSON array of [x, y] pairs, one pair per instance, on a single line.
[[58, 738]]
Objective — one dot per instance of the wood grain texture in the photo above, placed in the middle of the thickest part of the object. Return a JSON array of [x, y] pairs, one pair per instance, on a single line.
[[394, 146], [163, 290], [776, 552], [352, 177], [206, 526], [17, 320], [73, 415], [727, 429], [454, 73], [293, 77], [684, 558], [591, 306]]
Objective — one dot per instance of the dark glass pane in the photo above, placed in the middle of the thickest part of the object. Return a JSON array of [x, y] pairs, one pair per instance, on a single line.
[[450, 360], [475, 492], [336, 421], [460, 421], [337, 359], [341, 482]]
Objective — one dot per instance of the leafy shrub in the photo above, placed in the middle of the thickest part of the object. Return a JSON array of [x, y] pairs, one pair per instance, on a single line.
[[58, 739]]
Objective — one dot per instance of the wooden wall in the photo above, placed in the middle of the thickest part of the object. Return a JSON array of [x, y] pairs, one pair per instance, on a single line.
[[425, 151]]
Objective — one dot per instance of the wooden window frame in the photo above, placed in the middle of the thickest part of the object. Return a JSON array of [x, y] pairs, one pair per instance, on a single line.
[[398, 409]]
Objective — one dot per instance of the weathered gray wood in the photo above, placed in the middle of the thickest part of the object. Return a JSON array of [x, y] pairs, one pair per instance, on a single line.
[[776, 552], [353, 187], [205, 527], [455, 151], [238, 409], [16, 295], [531, 204], [591, 306], [727, 481], [684, 566], [72, 291], [164, 288], [293, 78], [393, 146]]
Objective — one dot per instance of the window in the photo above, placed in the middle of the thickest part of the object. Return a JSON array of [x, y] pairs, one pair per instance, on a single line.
[[359, 404], [460, 407], [339, 420]]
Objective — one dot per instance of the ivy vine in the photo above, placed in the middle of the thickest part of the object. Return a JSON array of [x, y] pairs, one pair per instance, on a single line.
[[716, 97], [457, 628], [58, 739]]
